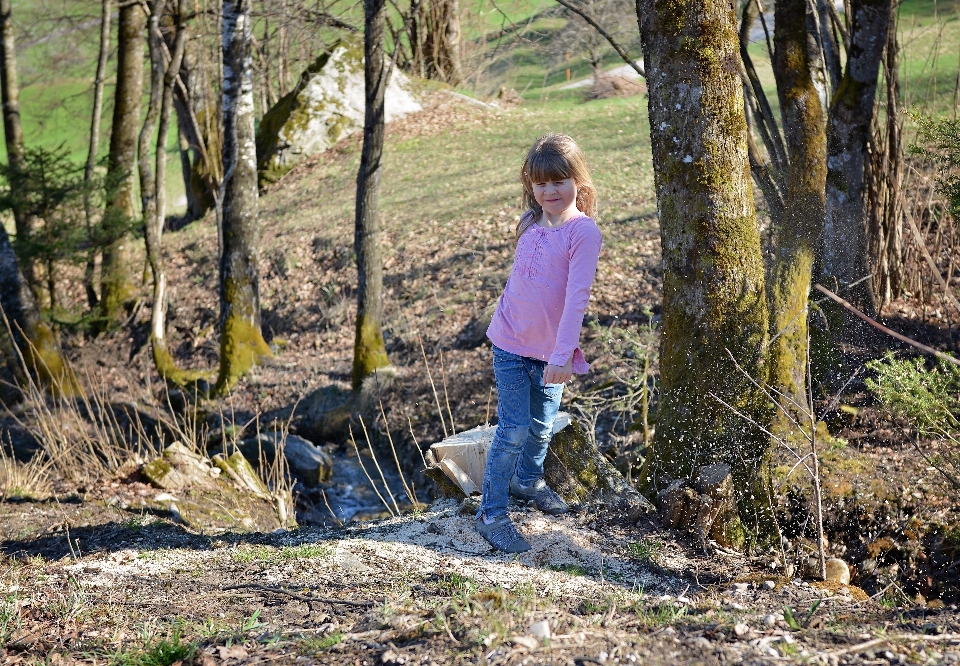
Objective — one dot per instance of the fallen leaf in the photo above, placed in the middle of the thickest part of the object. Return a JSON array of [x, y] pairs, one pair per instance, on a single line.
[[232, 652]]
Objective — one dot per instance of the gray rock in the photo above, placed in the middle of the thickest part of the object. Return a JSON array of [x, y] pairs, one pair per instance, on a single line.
[[308, 462]]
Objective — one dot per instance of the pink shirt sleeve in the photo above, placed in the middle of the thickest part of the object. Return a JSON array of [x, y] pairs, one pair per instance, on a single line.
[[584, 252]]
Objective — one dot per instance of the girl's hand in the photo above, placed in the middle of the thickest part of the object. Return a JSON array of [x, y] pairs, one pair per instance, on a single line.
[[554, 374]]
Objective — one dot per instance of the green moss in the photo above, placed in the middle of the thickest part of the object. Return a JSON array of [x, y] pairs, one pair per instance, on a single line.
[[45, 361], [241, 347], [168, 370], [369, 351], [156, 471]]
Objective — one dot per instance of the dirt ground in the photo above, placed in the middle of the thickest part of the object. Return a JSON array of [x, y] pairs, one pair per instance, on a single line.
[[425, 589], [102, 572]]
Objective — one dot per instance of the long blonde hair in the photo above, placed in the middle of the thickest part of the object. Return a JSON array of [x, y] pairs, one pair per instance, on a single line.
[[555, 157]]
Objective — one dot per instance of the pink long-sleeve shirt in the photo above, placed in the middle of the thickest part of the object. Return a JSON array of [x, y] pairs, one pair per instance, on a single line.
[[541, 311]]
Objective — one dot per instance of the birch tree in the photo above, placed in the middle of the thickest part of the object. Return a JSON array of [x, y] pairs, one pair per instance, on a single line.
[[241, 341], [714, 326], [116, 277], [369, 351]]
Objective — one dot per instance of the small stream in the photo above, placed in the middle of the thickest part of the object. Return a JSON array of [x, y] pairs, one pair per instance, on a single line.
[[350, 494]]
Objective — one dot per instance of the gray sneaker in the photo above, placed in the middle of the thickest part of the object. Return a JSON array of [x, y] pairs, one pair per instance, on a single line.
[[542, 495], [502, 535]]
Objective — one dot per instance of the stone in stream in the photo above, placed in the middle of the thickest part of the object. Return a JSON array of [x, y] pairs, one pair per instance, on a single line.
[[216, 494], [307, 462], [574, 468], [326, 105]]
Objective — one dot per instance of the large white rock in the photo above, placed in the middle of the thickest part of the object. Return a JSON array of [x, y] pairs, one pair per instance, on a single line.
[[326, 105]]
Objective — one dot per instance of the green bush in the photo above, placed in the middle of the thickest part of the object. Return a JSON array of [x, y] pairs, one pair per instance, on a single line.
[[928, 398]]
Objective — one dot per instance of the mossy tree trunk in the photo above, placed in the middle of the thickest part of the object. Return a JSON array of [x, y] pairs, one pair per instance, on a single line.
[[117, 285], [34, 339], [154, 209], [714, 303], [369, 351], [795, 67], [12, 126], [241, 341], [845, 265]]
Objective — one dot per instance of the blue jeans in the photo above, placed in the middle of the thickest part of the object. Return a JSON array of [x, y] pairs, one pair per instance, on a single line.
[[526, 410]]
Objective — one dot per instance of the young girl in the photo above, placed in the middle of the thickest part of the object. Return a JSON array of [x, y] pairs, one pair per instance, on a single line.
[[536, 330]]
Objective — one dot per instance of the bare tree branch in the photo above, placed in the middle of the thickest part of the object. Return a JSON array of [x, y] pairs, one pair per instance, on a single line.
[[596, 26]]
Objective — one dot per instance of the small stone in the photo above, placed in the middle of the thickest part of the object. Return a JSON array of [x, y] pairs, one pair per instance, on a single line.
[[770, 620], [528, 642], [741, 587], [602, 656], [540, 629], [741, 630], [838, 571], [769, 585]]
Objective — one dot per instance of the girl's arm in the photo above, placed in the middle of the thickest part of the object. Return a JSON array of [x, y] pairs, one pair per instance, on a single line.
[[585, 244]]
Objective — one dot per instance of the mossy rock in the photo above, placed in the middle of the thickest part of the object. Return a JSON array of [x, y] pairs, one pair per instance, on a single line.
[[326, 105], [217, 495]]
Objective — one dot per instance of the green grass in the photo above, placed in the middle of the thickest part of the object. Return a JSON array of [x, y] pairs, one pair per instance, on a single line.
[[644, 551], [164, 652], [259, 553]]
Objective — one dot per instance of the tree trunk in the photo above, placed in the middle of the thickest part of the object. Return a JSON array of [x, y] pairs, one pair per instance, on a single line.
[[435, 41], [369, 351], [241, 342], [804, 205], [12, 127], [94, 147], [845, 265], [116, 279], [884, 178], [35, 341], [164, 78], [196, 116], [714, 325]]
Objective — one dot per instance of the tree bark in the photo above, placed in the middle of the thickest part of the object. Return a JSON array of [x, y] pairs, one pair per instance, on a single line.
[[435, 41], [241, 341], [12, 127], [196, 117], [116, 279], [39, 350], [94, 147], [804, 205], [35, 341], [714, 326], [845, 264], [884, 178], [164, 77], [369, 351]]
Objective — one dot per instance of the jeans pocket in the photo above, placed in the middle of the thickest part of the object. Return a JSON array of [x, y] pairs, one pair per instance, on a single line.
[[509, 371]]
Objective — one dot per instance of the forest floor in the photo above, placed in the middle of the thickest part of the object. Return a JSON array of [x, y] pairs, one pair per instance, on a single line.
[[100, 572]]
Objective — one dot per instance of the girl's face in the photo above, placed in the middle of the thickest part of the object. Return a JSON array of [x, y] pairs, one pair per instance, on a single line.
[[556, 196]]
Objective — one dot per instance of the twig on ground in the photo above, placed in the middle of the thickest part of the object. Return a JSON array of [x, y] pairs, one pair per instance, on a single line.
[[301, 597]]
